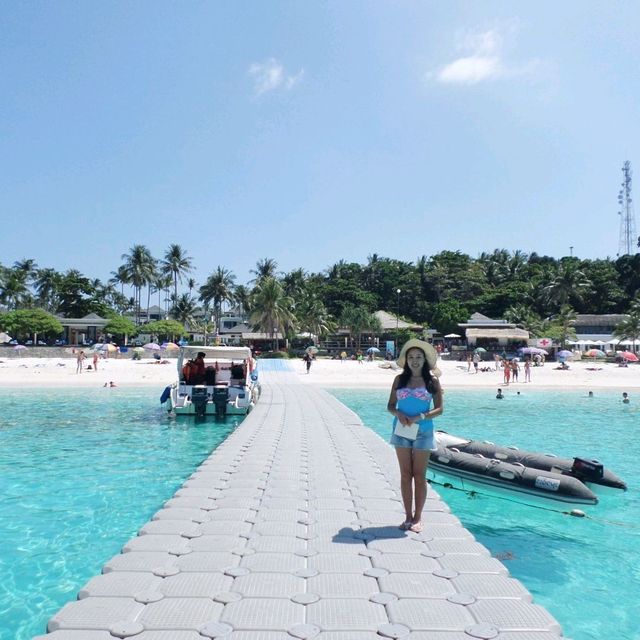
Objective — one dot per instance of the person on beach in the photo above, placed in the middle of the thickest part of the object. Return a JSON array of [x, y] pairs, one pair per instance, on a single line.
[[410, 403], [79, 361], [507, 371], [476, 360], [308, 359], [496, 360], [515, 370], [527, 370], [95, 360]]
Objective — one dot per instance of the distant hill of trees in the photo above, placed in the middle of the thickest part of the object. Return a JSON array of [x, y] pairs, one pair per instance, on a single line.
[[438, 291]]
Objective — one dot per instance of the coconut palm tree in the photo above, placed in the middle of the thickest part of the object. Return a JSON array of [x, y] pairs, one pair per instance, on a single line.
[[184, 309], [14, 291], [177, 263], [358, 320], [140, 267], [569, 284], [629, 328], [218, 288], [271, 309], [265, 268], [47, 283], [120, 277], [242, 299], [313, 316]]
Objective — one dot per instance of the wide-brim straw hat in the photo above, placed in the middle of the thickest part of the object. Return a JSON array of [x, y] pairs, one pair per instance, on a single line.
[[429, 352]]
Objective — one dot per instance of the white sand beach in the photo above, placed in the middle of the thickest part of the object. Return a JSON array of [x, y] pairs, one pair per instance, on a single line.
[[60, 372]]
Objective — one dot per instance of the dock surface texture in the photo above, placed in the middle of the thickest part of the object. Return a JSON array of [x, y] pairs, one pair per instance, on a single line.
[[290, 530]]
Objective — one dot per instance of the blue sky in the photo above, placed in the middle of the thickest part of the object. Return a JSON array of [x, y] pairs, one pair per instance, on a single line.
[[310, 132]]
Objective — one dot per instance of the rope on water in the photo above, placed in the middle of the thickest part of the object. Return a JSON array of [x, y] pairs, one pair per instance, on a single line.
[[575, 513]]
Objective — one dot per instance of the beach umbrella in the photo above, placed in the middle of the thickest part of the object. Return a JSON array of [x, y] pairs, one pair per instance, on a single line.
[[169, 346], [373, 350], [152, 346], [595, 353], [138, 350], [479, 350], [452, 335], [565, 354], [312, 349], [19, 348], [628, 355], [5, 337]]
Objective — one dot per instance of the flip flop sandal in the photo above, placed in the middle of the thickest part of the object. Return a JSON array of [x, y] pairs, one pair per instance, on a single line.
[[416, 527], [406, 525]]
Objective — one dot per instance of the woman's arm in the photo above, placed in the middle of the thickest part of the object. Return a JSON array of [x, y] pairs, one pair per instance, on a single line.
[[438, 405]]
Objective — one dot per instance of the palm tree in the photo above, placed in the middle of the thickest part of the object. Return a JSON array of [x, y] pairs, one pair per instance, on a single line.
[[218, 289], [359, 320], [121, 277], [242, 298], [47, 283], [140, 267], [271, 309], [313, 316], [161, 283], [569, 285], [177, 263], [13, 288], [265, 268], [184, 310], [629, 328]]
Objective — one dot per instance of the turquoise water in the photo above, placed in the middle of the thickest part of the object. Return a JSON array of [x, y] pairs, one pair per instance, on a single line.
[[80, 473], [585, 572]]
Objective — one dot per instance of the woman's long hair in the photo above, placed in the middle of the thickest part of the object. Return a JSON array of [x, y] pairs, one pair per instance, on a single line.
[[426, 375]]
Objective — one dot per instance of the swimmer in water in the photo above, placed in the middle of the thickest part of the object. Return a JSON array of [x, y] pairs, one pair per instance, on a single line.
[[625, 398], [499, 395]]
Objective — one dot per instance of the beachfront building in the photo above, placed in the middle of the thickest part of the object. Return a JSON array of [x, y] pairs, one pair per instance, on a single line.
[[491, 334], [83, 331], [596, 331]]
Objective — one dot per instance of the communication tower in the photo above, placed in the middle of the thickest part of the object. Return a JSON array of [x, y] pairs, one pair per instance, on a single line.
[[627, 243]]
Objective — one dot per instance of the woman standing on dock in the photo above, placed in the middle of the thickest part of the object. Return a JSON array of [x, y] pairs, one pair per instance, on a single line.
[[413, 436]]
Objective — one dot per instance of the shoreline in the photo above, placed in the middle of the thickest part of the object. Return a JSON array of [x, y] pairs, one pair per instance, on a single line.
[[328, 374]]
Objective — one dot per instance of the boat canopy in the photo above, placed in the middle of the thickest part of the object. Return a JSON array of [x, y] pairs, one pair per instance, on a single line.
[[219, 352]]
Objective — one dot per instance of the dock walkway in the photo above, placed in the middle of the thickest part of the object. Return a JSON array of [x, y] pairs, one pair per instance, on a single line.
[[290, 530]]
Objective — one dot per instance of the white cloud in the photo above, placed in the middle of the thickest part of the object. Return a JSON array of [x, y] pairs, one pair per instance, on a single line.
[[270, 75], [484, 59]]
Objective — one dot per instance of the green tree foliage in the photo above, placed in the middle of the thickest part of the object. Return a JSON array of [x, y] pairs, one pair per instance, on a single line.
[[119, 326], [177, 264], [31, 322], [358, 320], [271, 308], [164, 329], [218, 289]]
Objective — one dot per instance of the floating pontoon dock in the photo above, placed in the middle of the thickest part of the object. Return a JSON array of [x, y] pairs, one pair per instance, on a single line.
[[290, 530]]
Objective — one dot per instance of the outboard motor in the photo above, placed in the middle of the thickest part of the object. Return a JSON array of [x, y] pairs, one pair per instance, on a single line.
[[587, 470], [199, 399], [220, 399]]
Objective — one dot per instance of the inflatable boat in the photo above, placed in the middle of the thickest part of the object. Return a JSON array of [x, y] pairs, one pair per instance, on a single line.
[[475, 465]]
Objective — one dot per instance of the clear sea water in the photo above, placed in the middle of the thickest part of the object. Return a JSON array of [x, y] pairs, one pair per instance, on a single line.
[[80, 473], [585, 572]]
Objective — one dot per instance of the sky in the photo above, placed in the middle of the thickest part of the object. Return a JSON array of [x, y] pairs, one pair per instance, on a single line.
[[310, 132]]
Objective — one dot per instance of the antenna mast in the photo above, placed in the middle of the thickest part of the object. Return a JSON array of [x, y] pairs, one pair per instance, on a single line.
[[627, 217]]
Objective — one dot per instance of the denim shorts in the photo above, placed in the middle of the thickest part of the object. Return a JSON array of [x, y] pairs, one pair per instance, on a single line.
[[425, 441]]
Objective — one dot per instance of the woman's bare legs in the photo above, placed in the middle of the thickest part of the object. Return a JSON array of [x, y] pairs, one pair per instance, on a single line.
[[405, 461], [419, 470]]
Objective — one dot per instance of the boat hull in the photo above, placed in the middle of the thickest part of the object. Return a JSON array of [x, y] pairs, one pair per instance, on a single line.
[[474, 473]]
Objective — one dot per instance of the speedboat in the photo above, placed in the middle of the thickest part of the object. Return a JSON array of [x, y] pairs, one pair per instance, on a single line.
[[525, 475], [225, 383]]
